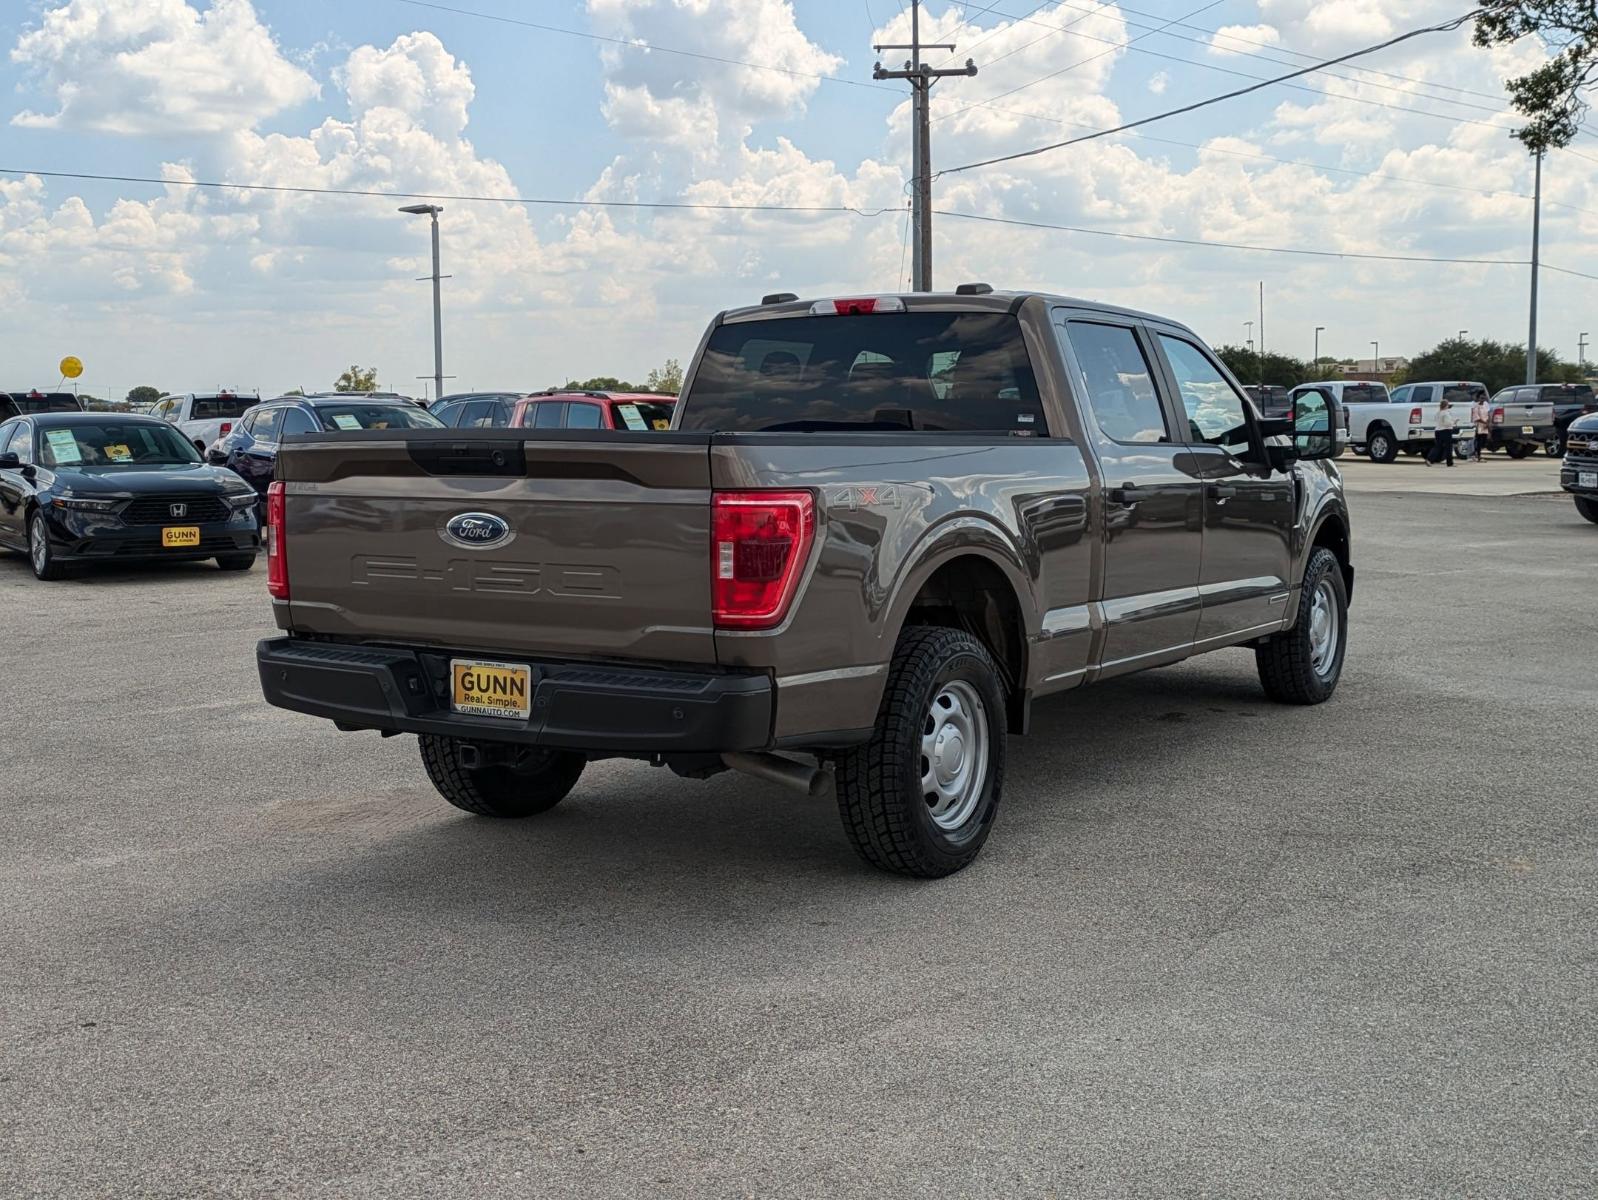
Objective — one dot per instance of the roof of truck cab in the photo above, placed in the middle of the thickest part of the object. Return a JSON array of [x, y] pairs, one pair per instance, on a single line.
[[994, 301]]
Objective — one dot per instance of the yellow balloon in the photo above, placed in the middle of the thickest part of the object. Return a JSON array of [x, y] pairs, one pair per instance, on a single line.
[[71, 367]]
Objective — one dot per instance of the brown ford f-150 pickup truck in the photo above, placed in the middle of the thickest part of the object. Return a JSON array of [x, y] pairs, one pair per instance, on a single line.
[[877, 531]]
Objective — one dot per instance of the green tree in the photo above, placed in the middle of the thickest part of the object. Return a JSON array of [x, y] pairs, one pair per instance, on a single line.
[[601, 383], [1496, 364], [1279, 368], [357, 379], [667, 379], [1551, 97], [144, 394]]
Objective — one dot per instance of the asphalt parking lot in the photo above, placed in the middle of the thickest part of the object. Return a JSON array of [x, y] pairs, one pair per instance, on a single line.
[[1215, 947]]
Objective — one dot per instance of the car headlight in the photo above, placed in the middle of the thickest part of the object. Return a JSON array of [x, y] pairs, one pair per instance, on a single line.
[[83, 504], [240, 499]]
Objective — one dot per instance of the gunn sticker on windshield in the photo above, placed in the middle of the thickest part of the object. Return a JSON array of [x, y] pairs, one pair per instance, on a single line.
[[64, 446], [117, 452]]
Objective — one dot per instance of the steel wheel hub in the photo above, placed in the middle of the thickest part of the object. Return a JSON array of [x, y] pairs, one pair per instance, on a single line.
[[954, 754], [39, 549], [1324, 629]]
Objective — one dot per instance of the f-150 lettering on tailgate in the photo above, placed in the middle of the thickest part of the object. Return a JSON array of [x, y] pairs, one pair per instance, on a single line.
[[570, 580]]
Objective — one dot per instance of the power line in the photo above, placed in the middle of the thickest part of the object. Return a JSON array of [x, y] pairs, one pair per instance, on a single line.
[[1102, 5], [1175, 241], [1187, 108], [455, 197]]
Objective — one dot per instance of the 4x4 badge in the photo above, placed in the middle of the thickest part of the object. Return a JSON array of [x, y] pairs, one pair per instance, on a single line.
[[864, 497]]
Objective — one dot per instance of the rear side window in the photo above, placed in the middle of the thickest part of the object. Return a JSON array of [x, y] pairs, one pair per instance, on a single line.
[[267, 425], [1120, 386], [210, 408], [924, 371]]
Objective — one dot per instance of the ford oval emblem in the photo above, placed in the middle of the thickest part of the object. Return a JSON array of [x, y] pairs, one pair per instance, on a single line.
[[477, 530]]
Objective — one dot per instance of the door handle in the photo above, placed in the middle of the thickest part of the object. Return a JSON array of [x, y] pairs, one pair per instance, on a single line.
[[1222, 491], [1126, 495]]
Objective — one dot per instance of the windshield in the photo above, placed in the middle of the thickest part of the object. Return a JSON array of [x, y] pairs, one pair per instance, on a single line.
[[335, 417], [113, 443], [640, 414], [932, 371], [211, 408]]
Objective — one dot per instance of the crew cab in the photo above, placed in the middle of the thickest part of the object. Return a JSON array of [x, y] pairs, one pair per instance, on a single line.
[[637, 411], [878, 530], [204, 417], [33, 402], [1523, 419], [1570, 402], [1578, 474]]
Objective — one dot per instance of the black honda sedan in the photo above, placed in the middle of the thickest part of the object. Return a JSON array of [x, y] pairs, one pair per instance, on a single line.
[[91, 487]]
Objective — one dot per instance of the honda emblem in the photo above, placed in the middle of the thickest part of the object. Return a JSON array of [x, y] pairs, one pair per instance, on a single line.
[[178, 510]]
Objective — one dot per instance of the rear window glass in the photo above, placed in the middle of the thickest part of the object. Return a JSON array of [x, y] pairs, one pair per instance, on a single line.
[[640, 415], [49, 402], [1364, 394], [335, 417], [935, 372], [209, 408], [1464, 395]]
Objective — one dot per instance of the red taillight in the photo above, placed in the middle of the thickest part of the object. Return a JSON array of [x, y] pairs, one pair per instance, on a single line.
[[1498, 416], [227, 428], [277, 564], [759, 543], [1414, 415]]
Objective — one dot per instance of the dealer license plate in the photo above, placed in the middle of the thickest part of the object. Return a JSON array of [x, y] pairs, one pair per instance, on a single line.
[[1587, 479], [1528, 429], [490, 689], [179, 537]]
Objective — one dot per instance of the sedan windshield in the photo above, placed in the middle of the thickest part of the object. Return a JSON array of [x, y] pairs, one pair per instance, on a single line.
[[335, 417], [113, 443]]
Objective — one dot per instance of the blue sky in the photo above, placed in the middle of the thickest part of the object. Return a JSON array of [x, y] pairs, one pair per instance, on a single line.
[[182, 290]]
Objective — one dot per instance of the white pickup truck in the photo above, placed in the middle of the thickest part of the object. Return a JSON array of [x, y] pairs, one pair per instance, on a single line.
[[1382, 425], [202, 417]]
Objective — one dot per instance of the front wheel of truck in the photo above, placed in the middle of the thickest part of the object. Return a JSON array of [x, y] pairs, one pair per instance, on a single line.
[[534, 784], [1303, 664], [920, 797]]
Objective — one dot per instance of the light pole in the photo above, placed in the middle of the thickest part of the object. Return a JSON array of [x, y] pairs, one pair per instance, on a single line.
[[1249, 327], [432, 210], [1462, 334], [1581, 352], [1536, 256], [1376, 358], [1316, 361]]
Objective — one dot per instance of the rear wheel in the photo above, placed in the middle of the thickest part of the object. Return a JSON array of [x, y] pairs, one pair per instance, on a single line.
[[920, 797], [235, 562], [1303, 665], [1411, 451], [1588, 508], [1382, 446], [535, 783], [1556, 448], [1517, 449], [41, 557]]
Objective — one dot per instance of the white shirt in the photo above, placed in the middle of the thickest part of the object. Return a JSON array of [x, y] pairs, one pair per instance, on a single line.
[[1446, 419]]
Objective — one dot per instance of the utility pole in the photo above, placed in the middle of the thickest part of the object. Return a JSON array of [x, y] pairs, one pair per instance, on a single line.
[[1262, 333], [1536, 251], [1316, 361], [921, 77], [432, 210], [1581, 353], [1376, 362]]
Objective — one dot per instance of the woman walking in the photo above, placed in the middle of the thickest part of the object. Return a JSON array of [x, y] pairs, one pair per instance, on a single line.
[[1447, 424], [1480, 417]]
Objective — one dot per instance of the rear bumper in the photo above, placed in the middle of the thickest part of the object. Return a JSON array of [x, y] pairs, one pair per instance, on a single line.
[[1508, 435], [626, 710]]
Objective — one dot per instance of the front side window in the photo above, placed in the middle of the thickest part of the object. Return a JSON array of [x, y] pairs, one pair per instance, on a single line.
[[937, 372], [1215, 412], [1120, 385]]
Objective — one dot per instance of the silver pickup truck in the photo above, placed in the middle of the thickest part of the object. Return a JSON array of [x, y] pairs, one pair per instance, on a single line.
[[879, 530]]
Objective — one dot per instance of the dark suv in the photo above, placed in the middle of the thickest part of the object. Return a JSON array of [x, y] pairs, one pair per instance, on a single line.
[[250, 450], [1570, 401]]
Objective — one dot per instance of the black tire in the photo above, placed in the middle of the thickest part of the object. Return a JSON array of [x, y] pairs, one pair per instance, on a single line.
[[1555, 449], [1381, 445], [1518, 450], [1588, 508], [881, 796], [1411, 451], [41, 555], [536, 786], [235, 562], [1287, 660]]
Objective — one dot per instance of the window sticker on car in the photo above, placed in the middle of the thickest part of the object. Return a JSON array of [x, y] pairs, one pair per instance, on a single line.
[[345, 421], [631, 417], [662, 426], [64, 446], [119, 453]]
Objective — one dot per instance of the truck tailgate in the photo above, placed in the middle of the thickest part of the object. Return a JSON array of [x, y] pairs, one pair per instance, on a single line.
[[1524, 417], [591, 544]]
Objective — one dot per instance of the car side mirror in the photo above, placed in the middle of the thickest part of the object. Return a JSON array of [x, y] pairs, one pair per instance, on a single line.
[[1317, 428], [216, 457], [9, 461]]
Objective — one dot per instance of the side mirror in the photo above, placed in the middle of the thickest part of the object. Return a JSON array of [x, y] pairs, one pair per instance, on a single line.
[[9, 462], [216, 457], [1317, 427]]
